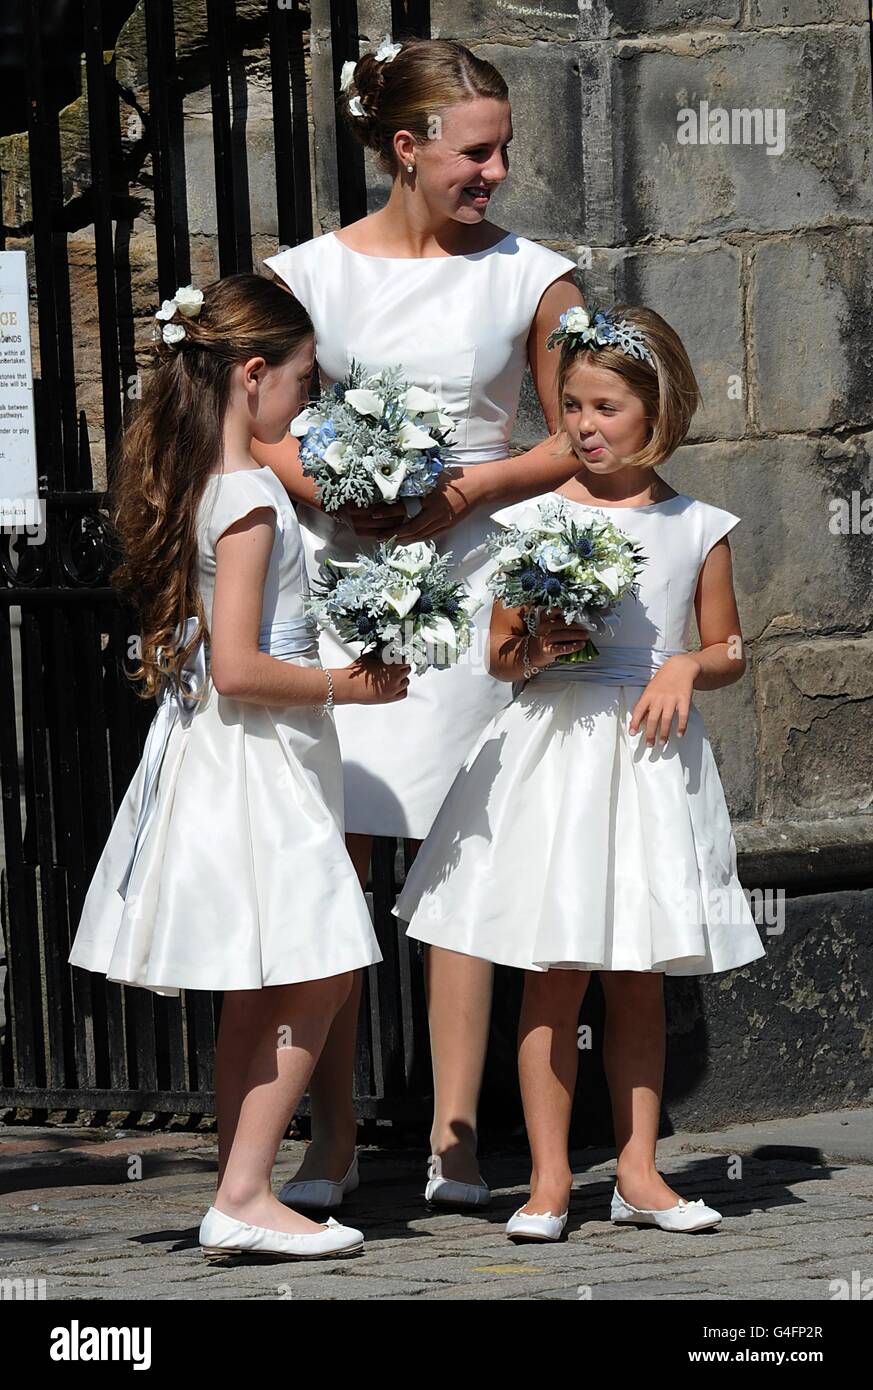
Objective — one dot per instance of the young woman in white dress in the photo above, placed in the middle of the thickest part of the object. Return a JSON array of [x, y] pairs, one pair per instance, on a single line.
[[464, 307], [587, 828], [226, 868]]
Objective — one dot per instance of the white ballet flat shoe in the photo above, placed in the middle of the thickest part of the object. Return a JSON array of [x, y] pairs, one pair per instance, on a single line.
[[222, 1235], [319, 1192], [451, 1193], [685, 1216], [529, 1225]]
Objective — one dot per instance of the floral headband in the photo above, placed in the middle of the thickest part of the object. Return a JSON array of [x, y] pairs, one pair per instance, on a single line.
[[385, 53], [597, 330], [186, 298]]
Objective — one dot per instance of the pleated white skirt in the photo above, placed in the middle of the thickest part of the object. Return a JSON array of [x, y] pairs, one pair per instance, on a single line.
[[566, 842], [243, 879]]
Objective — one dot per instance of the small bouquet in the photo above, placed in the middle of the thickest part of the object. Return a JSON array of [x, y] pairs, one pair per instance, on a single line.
[[546, 558], [373, 439], [401, 601]]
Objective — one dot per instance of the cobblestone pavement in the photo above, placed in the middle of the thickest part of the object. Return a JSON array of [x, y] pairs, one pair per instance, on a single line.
[[102, 1217]]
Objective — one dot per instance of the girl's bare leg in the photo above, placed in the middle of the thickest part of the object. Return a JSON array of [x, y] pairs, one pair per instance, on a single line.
[[634, 1049], [548, 1058], [458, 991], [334, 1123], [268, 1042]]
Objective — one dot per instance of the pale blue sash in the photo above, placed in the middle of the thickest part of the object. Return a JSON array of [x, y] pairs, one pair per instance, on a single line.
[[297, 637], [615, 665]]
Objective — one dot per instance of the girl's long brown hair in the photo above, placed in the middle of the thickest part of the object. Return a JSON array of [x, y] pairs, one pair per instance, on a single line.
[[175, 440]]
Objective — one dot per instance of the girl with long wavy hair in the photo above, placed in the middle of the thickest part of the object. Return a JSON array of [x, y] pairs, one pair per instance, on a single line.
[[226, 868]]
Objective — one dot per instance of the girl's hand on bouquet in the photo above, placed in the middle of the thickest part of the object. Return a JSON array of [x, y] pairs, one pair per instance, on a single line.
[[452, 499], [373, 523], [554, 637], [371, 681], [668, 693]]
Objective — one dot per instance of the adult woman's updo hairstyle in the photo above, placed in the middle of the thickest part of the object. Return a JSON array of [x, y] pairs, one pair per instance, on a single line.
[[407, 91]]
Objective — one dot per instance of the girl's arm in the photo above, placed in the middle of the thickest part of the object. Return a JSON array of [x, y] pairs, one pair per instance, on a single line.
[[720, 660], [540, 469], [506, 641], [240, 669]]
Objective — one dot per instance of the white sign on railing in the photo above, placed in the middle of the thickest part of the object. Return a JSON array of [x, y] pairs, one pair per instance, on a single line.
[[20, 505]]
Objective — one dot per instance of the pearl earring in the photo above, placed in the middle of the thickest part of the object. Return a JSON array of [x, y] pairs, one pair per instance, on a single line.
[[409, 168]]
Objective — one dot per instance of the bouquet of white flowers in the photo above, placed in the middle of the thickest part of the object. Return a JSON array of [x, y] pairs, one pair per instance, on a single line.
[[373, 439], [546, 558], [401, 602]]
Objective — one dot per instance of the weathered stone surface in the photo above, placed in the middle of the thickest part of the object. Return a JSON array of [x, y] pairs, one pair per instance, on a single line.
[[787, 1032], [698, 291], [793, 574], [816, 727], [651, 16], [767, 12], [811, 313], [820, 79]]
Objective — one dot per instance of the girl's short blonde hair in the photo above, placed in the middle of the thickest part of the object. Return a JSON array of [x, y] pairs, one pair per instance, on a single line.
[[669, 390]]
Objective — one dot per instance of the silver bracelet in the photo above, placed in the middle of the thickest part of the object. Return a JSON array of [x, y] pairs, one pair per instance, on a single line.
[[529, 670], [327, 707]]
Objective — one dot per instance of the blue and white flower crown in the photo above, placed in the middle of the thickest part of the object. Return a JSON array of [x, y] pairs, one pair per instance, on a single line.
[[595, 329]]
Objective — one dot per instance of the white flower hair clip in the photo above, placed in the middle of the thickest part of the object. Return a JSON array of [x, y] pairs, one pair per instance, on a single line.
[[385, 53], [596, 329], [186, 298]]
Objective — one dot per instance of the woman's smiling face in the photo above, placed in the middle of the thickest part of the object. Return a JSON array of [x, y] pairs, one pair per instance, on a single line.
[[471, 151], [604, 418]]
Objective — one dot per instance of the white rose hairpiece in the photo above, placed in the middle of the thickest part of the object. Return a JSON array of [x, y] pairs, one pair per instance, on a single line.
[[596, 329], [186, 298], [385, 53]]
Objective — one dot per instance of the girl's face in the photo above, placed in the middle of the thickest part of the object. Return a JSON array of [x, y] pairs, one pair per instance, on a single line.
[[605, 420], [282, 392], [470, 152]]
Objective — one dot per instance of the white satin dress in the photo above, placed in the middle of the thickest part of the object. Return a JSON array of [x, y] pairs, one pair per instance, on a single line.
[[457, 325], [565, 841], [226, 866]]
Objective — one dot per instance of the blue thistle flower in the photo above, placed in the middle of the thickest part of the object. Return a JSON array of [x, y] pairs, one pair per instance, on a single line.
[[529, 579]]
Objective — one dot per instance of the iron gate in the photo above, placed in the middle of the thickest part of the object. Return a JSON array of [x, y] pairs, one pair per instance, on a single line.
[[72, 730]]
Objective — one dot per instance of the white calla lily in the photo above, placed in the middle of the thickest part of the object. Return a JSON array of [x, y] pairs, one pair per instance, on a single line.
[[413, 438], [440, 631], [389, 482], [411, 559], [335, 455], [351, 567], [402, 598], [611, 578], [365, 401], [303, 422], [416, 400]]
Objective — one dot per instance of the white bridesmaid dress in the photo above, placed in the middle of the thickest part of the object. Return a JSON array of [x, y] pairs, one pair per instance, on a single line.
[[565, 841], [226, 867], [457, 325]]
